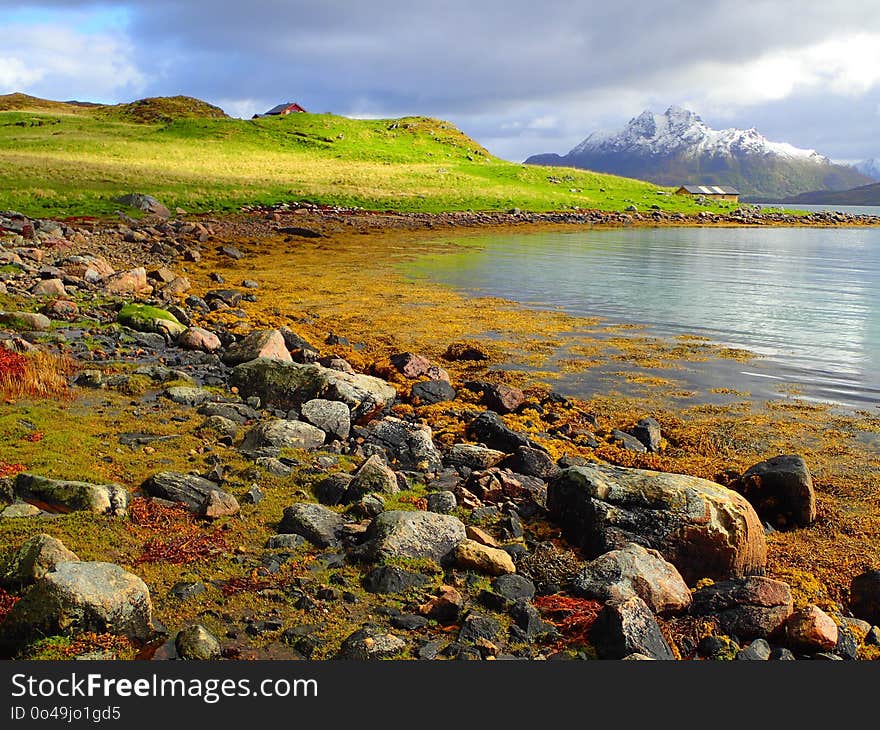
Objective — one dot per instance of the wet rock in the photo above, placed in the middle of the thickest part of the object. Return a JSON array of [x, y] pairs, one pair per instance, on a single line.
[[634, 571], [411, 535], [57, 495], [648, 432], [391, 579], [318, 524], [702, 528], [372, 477], [753, 607], [287, 385], [489, 429], [79, 596], [474, 457], [429, 392], [266, 344], [503, 398], [370, 642], [34, 559], [200, 496], [781, 491], [443, 502], [471, 555], [332, 417], [282, 434], [408, 445], [195, 642], [531, 462], [196, 338], [864, 598], [810, 629]]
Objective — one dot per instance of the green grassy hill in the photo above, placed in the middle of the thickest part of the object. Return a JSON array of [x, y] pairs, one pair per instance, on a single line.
[[64, 159]]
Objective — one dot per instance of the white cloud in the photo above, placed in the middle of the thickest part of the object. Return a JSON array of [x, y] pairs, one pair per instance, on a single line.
[[14, 74]]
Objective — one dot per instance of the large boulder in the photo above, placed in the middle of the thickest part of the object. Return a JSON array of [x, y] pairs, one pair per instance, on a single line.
[[402, 534], [781, 491], [282, 434], [288, 385], [749, 608], [408, 445], [628, 627], [634, 571], [201, 496], [316, 523], [330, 416], [268, 344], [58, 495], [702, 528], [128, 282], [78, 596], [34, 559]]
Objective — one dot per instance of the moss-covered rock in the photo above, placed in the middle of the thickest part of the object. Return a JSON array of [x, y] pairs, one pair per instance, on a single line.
[[146, 318]]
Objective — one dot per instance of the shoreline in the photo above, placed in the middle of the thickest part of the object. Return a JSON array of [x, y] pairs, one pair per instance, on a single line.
[[340, 298]]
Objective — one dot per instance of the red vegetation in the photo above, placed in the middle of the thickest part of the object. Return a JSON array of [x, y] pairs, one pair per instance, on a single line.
[[190, 543], [10, 470], [574, 617], [12, 365], [7, 601], [34, 437], [157, 516], [251, 584]]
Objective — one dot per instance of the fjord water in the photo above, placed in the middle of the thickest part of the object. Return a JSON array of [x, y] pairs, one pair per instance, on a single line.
[[806, 299]]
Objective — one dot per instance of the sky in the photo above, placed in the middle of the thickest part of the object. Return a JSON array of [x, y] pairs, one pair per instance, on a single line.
[[521, 76]]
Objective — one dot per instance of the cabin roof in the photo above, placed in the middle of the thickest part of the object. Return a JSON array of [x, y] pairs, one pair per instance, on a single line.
[[709, 190]]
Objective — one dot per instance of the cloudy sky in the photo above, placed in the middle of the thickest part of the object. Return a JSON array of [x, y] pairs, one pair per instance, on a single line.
[[519, 75]]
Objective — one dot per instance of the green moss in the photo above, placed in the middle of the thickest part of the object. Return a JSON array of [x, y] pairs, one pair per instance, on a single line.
[[143, 316]]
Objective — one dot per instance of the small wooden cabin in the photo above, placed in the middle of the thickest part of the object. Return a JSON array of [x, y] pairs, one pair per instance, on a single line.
[[281, 110], [715, 192]]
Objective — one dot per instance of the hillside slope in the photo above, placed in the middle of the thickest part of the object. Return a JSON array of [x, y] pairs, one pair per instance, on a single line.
[[61, 159], [863, 195], [677, 147]]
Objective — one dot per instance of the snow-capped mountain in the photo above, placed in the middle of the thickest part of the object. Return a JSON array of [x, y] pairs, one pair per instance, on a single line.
[[678, 147], [871, 168]]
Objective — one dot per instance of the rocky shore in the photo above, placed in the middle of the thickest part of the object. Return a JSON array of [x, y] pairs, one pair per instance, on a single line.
[[318, 514]]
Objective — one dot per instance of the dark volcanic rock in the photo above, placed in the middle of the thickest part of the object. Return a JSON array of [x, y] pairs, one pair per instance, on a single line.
[[781, 491], [750, 608], [864, 595], [429, 392], [489, 429], [391, 579]]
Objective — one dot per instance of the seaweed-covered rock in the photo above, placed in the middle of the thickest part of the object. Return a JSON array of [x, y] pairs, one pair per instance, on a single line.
[[702, 528]]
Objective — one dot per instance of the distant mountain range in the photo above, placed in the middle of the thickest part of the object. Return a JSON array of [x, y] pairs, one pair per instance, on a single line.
[[677, 147], [870, 168], [864, 195]]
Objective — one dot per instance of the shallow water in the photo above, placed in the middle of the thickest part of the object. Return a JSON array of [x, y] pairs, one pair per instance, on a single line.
[[806, 299]]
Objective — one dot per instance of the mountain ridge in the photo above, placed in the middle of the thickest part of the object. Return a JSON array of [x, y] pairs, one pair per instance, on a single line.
[[678, 147]]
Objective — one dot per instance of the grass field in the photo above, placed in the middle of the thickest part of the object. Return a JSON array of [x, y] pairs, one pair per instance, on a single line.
[[60, 159]]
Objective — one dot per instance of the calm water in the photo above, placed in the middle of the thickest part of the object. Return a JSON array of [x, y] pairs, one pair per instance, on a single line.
[[853, 209], [808, 300]]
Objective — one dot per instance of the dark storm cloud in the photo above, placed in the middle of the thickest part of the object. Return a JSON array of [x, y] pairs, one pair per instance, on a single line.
[[518, 72]]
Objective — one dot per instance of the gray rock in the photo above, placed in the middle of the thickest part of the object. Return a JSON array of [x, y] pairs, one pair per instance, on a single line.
[[489, 429], [146, 203], [200, 496], [282, 434], [286, 385], [185, 396], [758, 650], [19, 510], [26, 321], [634, 571], [221, 426], [443, 502], [195, 642], [184, 590], [513, 587], [627, 442], [391, 579], [34, 559], [429, 392], [477, 627], [411, 535], [268, 344], [749, 608], [79, 596], [370, 642], [702, 528], [628, 627], [66, 496], [372, 476], [331, 490], [408, 445], [531, 462], [318, 524], [781, 491], [285, 542], [332, 417], [473, 456], [648, 432]]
